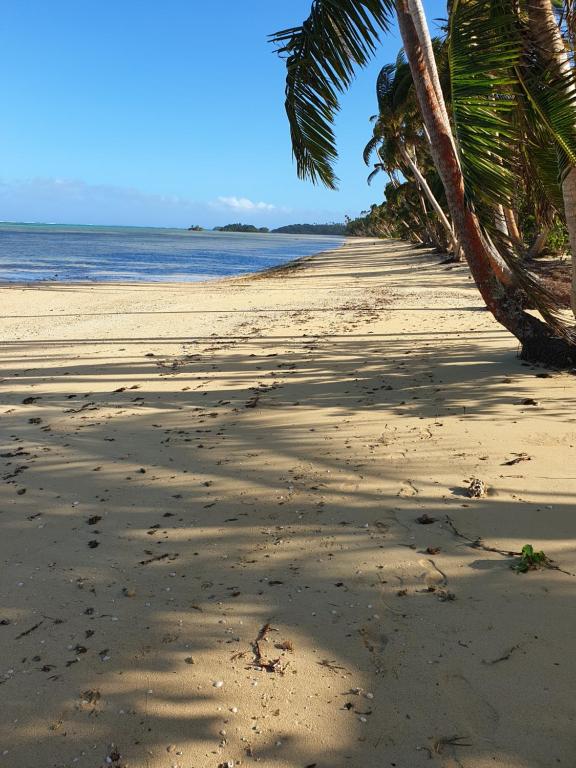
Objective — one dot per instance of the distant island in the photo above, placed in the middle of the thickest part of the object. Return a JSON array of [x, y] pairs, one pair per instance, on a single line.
[[334, 229], [312, 229], [241, 228]]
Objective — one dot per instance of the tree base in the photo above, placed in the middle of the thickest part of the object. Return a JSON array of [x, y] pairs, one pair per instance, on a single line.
[[554, 352]]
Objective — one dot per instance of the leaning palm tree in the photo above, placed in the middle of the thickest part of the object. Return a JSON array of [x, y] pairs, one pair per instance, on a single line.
[[555, 65], [398, 138], [321, 57], [514, 99]]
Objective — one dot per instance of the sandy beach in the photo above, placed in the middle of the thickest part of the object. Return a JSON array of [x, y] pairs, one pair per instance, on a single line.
[[235, 526]]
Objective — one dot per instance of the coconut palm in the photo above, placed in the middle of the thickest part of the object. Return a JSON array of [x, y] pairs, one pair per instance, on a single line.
[[552, 54], [399, 140], [321, 57], [514, 99]]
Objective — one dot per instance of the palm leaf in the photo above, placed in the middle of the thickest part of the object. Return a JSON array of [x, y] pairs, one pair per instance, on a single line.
[[384, 87], [539, 168], [507, 118], [378, 167], [321, 58], [550, 92], [372, 146], [484, 47]]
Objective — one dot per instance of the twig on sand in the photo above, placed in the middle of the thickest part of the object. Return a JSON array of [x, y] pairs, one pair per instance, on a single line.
[[479, 544], [504, 657], [449, 741], [156, 558], [260, 658], [29, 631], [332, 666]]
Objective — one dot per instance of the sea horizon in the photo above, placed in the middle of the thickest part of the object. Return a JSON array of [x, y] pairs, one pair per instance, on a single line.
[[33, 252]]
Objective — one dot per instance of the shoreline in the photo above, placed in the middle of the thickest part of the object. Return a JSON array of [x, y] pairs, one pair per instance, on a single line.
[[235, 523], [203, 279], [278, 270]]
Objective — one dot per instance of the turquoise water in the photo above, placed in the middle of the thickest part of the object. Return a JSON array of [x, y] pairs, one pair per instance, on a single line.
[[33, 252]]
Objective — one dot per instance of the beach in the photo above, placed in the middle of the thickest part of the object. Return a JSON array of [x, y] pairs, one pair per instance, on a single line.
[[236, 529]]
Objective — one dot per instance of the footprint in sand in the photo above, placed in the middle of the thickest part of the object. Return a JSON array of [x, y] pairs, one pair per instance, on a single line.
[[469, 713]]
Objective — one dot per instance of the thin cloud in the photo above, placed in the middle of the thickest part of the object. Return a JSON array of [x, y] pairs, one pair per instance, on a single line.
[[74, 201], [244, 204]]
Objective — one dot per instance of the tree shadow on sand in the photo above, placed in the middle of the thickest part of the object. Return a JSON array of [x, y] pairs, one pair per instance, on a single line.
[[234, 490]]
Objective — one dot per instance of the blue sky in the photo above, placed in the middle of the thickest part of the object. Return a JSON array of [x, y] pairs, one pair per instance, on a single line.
[[163, 114]]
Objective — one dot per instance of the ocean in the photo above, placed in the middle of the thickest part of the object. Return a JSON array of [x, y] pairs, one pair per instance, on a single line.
[[53, 252]]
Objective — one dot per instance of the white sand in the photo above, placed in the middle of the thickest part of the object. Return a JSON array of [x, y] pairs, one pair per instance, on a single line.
[[380, 388]]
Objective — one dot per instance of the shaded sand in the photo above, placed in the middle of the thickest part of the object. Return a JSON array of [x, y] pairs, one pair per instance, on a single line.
[[209, 525]]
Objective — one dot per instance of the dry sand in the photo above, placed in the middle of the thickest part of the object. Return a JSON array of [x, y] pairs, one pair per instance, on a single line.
[[188, 468]]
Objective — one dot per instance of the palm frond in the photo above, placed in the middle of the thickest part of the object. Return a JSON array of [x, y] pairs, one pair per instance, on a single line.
[[550, 91], [483, 49], [378, 167], [403, 86], [371, 147], [540, 170], [384, 87], [321, 58]]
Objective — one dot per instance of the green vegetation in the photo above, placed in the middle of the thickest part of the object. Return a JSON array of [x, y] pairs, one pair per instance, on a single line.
[[241, 228], [195, 228], [312, 229], [290, 229], [531, 560], [476, 133], [372, 223]]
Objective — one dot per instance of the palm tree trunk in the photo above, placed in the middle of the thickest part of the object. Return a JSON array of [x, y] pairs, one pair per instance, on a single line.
[[513, 230], [418, 15], [547, 36], [500, 220], [537, 339], [410, 230], [501, 269], [538, 244], [424, 186], [431, 231]]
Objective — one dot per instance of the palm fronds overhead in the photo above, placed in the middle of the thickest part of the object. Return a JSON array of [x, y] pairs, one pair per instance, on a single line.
[[483, 49], [550, 92], [321, 57], [507, 100]]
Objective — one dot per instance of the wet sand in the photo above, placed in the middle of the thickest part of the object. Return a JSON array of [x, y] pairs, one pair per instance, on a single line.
[[235, 526]]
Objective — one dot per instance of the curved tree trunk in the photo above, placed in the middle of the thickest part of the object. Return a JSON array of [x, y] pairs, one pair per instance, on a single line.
[[411, 232], [418, 15], [425, 187], [546, 34], [538, 244], [513, 229], [502, 270], [538, 340], [500, 220]]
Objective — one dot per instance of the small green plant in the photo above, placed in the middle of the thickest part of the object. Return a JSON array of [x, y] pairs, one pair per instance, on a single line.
[[530, 560]]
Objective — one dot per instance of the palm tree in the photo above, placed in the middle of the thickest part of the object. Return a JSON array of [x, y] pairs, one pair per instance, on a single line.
[[526, 86], [322, 54], [398, 137], [552, 53]]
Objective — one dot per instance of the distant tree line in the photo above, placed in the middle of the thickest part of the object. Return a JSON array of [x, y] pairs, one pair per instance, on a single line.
[[241, 228], [290, 229], [312, 229]]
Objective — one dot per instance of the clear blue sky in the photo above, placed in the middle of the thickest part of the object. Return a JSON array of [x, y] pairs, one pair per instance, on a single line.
[[163, 114]]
